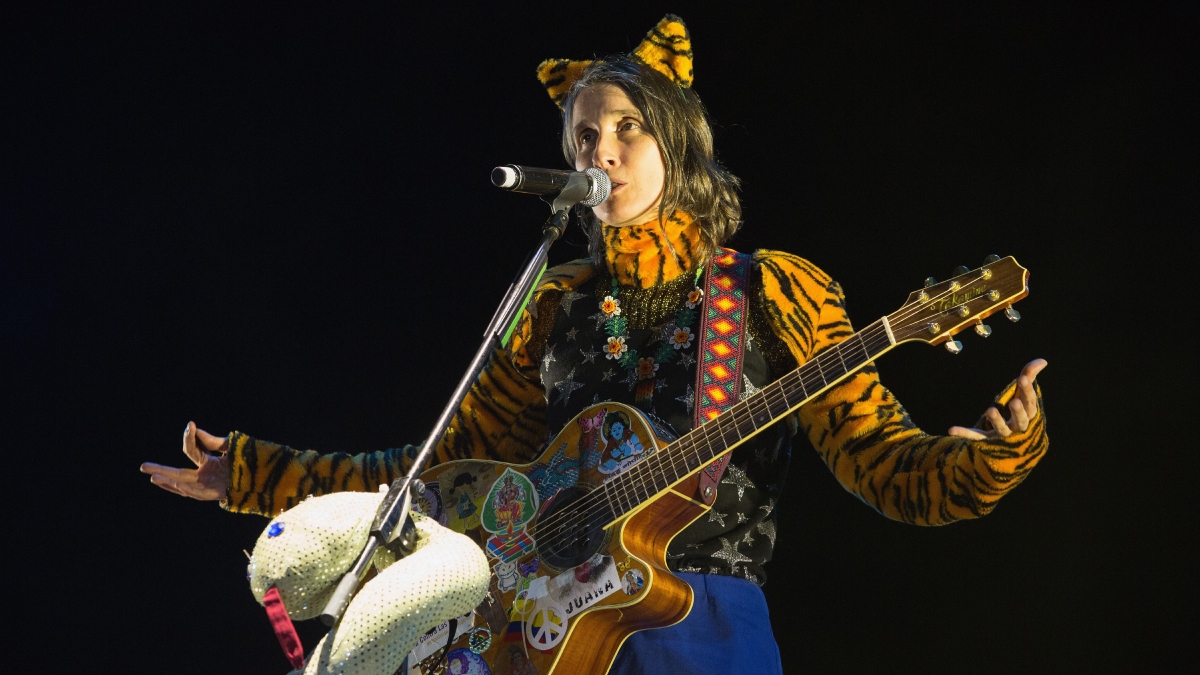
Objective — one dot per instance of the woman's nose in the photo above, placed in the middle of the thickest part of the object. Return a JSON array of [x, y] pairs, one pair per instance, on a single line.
[[607, 154]]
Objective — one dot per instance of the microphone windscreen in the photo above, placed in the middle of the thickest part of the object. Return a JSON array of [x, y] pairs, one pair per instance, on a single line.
[[504, 177], [601, 187]]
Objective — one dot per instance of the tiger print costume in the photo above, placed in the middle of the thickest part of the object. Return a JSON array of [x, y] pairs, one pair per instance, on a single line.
[[861, 431]]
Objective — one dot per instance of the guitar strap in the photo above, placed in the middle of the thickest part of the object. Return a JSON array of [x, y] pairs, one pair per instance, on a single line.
[[722, 347]]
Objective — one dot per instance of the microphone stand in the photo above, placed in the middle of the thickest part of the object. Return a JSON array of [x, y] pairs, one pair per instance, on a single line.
[[393, 526]]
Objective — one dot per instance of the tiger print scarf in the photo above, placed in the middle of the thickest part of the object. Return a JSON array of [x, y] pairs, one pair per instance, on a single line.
[[654, 252]]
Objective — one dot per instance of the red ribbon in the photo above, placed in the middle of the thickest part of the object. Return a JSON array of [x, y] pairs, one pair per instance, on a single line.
[[284, 629]]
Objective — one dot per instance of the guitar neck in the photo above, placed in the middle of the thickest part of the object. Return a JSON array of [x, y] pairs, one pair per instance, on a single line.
[[746, 418]]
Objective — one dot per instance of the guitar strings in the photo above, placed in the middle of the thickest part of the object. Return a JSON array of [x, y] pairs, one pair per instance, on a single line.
[[591, 506], [633, 478], [772, 394], [901, 316], [639, 471]]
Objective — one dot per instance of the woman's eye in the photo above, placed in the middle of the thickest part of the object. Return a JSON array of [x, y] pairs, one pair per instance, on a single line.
[[626, 126], [586, 138]]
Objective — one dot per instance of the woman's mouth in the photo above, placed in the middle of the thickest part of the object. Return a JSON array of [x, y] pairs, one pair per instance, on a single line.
[[616, 185]]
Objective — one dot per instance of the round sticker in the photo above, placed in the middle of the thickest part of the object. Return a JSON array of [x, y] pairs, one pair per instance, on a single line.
[[633, 581], [479, 640]]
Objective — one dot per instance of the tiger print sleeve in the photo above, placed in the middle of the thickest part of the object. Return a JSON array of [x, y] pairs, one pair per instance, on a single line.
[[502, 418], [863, 433]]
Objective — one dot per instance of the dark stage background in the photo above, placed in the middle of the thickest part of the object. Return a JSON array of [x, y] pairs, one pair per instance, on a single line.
[[276, 217]]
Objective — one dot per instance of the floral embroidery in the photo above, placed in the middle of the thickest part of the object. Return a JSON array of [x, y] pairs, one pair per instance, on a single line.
[[615, 348], [672, 338], [610, 306], [646, 368], [682, 339]]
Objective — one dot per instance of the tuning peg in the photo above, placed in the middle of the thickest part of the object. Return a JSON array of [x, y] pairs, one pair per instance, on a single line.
[[1012, 314], [991, 259], [929, 281], [953, 346], [960, 270], [983, 329]]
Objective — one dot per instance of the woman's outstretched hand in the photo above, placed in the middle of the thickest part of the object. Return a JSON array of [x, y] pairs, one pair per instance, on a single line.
[[1022, 408], [208, 480]]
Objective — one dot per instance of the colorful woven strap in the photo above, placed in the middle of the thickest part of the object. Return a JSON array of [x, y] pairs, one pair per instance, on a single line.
[[722, 343]]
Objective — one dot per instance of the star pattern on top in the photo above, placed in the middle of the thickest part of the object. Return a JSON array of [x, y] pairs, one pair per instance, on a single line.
[[571, 336], [566, 387], [688, 399], [590, 355], [760, 455], [568, 299], [730, 554], [736, 476], [715, 517], [686, 360], [549, 357], [748, 388], [767, 527], [631, 378]]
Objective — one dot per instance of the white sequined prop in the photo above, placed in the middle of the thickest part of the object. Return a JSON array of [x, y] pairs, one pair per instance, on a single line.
[[305, 550], [447, 576]]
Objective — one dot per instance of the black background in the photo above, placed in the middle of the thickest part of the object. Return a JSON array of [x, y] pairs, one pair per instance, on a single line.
[[275, 217]]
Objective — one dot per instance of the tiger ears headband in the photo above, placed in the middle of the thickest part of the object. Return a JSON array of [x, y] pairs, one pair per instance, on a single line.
[[667, 49]]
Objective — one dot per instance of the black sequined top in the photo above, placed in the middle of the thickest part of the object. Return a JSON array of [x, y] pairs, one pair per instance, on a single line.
[[737, 536]]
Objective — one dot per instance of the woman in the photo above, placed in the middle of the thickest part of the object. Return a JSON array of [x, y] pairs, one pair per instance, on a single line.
[[637, 119]]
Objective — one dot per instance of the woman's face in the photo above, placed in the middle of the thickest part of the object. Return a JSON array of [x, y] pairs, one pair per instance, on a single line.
[[610, 135]]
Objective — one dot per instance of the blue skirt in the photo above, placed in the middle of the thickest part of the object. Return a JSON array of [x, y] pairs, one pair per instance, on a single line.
[[728, 630]]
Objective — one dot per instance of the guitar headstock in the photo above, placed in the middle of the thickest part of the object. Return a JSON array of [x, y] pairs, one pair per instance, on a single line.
[[937, 312]]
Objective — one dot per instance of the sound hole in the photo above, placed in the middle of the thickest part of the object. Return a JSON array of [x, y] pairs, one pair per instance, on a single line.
[[568, 533]]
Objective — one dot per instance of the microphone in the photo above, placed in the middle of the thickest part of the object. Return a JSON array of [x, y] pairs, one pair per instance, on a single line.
[[593, 183]]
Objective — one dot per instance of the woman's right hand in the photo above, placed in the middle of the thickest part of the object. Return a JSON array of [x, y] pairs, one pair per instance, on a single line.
[[209, 480]]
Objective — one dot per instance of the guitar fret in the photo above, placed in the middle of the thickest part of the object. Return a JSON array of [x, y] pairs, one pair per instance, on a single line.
[[607, 496], [763, 416], [863, 346], [841, 357]]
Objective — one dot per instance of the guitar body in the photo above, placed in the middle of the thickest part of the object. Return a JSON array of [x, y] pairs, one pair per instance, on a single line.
[[577, 540], [569, 584]]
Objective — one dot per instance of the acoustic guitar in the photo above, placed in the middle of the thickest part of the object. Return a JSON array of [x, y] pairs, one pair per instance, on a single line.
[[577, 539]]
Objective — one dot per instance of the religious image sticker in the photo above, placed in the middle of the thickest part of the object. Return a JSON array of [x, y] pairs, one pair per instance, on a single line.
[[510, 504]]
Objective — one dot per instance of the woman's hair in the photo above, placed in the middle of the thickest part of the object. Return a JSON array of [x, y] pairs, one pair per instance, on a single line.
[[676, 119]]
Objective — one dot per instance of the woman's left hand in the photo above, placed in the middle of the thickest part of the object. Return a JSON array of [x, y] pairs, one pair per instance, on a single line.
[[1023, 408]]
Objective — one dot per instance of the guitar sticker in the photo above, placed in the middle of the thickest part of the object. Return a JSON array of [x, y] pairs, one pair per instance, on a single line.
[[462, 490], [507, 576], [622, 447], [547, 627], [517, 663], [466, 662], [432, 641], [633, 581], [430, 504], [585, 585], [590, 447], [562, 472], [510, 504]]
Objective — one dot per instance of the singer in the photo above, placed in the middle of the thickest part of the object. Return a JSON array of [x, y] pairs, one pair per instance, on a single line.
[[625, 325]]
